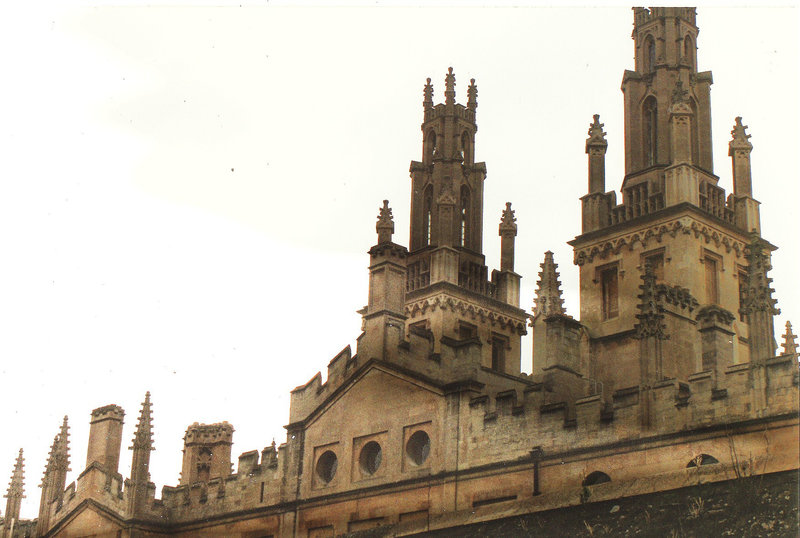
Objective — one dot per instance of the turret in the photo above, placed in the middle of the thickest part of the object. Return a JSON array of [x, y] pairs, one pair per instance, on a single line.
[[206, 452], [15, 493], [139, 482], [596, 205], [383, 317]]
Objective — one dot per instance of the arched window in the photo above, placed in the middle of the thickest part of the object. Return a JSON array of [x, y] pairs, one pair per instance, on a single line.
[[464, 217], [597, 477], [649, 54], [702, 459], [430, 145], [427, 208], [650, 130], [466, 148], [688, 50]]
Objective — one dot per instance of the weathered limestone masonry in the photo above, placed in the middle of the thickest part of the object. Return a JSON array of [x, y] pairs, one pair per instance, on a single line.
[[668, 379]]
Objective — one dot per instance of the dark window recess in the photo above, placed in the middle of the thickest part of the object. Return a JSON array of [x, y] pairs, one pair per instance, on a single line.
[[597, 477], [499, 345], [712, 283], [610, 291], [702, 459]]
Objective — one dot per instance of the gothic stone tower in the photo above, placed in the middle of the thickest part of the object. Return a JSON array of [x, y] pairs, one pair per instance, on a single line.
[[675, 219], [449, 293]]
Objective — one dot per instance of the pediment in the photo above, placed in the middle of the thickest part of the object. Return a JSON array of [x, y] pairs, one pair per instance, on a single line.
[[89, 519], [377, 387]]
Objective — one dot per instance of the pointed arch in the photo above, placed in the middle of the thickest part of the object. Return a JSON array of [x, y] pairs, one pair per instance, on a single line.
[[650, 130], [427, 211], [688, 49], [430, 146], [466, 147]]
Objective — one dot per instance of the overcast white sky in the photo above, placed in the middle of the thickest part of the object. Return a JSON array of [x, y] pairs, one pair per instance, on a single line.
[[187, 194]]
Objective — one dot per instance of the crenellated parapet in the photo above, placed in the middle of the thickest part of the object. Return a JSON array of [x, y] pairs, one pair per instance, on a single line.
[[505, 426]]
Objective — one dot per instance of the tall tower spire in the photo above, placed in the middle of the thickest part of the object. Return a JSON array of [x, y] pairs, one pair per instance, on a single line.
[[16, 491], [140, 465], [445, 259]]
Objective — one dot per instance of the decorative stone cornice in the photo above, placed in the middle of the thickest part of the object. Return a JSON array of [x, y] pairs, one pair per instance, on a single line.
[[645, 236], [715, 314], [465, 308]]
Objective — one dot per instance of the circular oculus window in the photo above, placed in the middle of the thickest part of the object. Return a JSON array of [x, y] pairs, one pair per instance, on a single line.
[[418, 447], [370, 458], [326, 466]]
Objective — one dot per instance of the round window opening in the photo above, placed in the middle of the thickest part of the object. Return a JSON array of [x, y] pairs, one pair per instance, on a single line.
[[370, 458], [326, 466], [418, 447]]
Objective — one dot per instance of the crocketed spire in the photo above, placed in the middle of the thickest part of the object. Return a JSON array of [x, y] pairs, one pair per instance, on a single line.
[[143, 437], [789, 345], [385, 224], [548, 299]]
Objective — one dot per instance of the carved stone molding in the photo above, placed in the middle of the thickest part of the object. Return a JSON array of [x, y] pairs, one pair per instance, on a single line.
[[644, 237], [466, 309]]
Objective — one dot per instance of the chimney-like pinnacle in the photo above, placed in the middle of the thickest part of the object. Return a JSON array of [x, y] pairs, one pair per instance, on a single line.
[[450, 87]]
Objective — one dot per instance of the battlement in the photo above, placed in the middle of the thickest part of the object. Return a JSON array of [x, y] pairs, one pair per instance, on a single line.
[[113, 412], [221, 432], [508, 421], [642, 15]]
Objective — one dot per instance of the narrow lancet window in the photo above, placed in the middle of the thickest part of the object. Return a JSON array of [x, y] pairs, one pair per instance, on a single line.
[[464, 217], [427, 206], [650, 55], [650, 118]]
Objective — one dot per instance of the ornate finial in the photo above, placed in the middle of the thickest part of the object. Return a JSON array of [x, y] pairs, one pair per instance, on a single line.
[[472, 95], [548, 299], [450, 87], [596, 135], [508, 222], [651, 309], [63, 446], [427, 95], [679, 95], [143, 437], [385, 225], [50, 466], [789, 345], [739, 138], [16, 486]]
